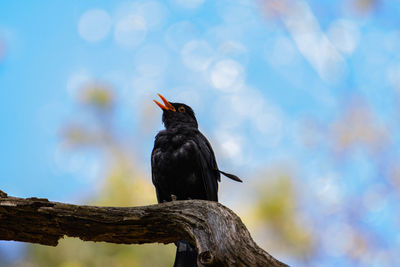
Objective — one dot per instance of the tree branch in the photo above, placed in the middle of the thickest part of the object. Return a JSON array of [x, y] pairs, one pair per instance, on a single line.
[[219, 235]]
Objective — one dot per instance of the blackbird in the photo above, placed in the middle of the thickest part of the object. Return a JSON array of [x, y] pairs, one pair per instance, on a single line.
[[183, 166]]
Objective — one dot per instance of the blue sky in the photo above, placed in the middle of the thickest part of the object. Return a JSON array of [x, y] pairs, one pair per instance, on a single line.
[[261, 76]]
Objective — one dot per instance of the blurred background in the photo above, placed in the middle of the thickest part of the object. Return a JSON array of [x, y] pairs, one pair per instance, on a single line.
[[298, 98]]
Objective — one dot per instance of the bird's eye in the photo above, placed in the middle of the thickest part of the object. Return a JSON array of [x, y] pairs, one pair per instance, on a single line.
[[181, 109]]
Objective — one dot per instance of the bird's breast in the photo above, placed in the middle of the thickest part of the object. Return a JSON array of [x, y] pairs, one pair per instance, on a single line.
[[176, 165], [174, 151]]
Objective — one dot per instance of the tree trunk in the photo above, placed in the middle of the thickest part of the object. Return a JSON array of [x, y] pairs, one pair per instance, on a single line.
[[218, 234]]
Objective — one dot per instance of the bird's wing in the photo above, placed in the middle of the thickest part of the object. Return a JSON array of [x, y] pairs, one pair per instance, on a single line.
[[207, 167]]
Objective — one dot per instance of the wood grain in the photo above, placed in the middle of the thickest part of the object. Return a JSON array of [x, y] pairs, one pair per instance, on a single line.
[[218, 233]]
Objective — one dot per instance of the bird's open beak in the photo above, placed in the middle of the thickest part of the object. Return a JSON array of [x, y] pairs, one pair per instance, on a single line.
[[167, 106]]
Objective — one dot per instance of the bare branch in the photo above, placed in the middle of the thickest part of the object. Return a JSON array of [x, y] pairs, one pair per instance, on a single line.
[[218, 234]]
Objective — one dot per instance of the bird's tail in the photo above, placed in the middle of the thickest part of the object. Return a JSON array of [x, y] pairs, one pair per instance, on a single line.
[[186, 255], [231, 176]]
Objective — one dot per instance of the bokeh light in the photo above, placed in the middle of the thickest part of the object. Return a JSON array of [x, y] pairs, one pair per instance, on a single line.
[[298, 98], [94, 25]]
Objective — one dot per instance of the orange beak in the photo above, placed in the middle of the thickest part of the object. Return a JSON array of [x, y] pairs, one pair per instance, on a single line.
[[167, 106]]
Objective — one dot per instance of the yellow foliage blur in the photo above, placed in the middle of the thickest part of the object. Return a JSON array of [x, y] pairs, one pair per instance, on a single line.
[[277, 212]]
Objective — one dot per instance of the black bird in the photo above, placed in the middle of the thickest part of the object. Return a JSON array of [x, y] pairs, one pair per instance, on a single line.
[[183, 166]]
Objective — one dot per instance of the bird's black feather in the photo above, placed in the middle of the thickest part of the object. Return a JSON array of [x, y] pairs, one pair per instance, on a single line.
[[183, 166], [231, 176]]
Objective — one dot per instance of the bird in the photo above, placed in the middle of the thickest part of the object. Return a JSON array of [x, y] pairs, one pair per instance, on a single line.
[[183, 166]]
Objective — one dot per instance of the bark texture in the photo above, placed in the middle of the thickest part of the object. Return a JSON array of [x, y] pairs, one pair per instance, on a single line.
[[218, 234]]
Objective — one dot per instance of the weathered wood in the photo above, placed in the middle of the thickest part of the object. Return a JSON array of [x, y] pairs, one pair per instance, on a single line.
[[218, 234]]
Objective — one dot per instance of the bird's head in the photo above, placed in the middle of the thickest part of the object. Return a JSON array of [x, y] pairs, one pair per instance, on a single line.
[[176, 114]]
